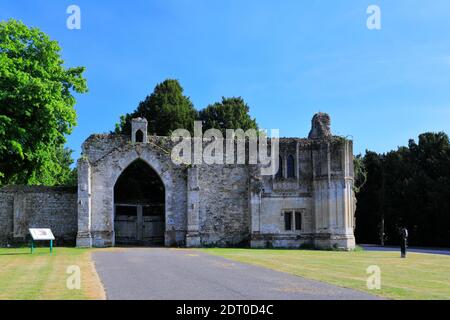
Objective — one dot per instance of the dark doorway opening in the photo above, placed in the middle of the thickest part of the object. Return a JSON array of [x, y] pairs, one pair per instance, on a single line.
[[139, 136], [139, 212]]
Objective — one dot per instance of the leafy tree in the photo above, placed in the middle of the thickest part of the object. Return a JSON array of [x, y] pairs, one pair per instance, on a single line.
[[360, 173], [166, 110], [56, 170], [231, 113], [407, 187], [36, 106]]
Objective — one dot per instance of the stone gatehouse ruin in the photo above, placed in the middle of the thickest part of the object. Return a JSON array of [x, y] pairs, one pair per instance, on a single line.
[[130, 192]]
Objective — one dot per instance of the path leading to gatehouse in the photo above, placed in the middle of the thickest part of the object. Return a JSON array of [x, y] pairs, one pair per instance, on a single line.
[[163, 273]]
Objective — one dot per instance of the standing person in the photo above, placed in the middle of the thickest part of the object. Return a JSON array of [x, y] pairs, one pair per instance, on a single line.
[[404, 241]]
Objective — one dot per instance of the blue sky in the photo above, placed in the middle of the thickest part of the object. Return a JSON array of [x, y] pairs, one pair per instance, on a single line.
[[287, 59]]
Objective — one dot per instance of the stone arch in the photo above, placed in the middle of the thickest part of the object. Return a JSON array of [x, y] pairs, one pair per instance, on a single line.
[[290, 166], [279, 174], [103, 175], [139, 206], [164, 177], [164, 174]]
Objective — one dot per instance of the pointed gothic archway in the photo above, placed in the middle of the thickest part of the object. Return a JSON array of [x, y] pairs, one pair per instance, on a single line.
[[139, 206]]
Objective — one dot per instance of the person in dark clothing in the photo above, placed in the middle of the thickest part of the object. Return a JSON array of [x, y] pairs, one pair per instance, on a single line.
[[404, 241]]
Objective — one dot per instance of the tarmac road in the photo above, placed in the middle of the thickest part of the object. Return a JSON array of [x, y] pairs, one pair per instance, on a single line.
[[373, 247], [182, 274]]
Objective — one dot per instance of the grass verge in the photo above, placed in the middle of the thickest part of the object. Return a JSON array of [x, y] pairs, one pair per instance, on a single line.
[[43, 276], [420, 276]]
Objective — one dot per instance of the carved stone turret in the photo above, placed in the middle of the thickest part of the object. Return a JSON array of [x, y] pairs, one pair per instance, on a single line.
[[139, 130]]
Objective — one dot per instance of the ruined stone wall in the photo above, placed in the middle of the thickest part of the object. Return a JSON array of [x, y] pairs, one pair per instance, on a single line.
[[321, 190], [6, 217], [216, 202], [205, 205], [284, 193], [23, 207], [227, 205], [104, 158], [223, 206]]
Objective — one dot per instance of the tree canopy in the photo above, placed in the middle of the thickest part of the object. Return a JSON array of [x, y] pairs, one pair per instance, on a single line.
[[166, 110], [231, 113], [36, 106], [408, 187]]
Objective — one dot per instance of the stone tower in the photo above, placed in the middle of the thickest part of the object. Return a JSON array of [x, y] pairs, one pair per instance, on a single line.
[[333, 178]]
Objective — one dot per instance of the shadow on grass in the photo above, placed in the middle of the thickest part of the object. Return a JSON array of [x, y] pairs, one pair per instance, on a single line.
[[14, 253]]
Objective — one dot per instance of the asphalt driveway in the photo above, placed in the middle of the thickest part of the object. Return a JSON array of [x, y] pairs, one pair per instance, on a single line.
[[168, 274], [373, 247]]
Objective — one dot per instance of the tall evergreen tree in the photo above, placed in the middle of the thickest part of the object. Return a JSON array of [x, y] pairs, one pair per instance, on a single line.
[[230, 113], [166, 110], [408, 187]]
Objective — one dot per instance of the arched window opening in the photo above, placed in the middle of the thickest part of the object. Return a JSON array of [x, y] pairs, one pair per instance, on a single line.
[[139, 206], [291, 167], [139, 136], [279, 174]]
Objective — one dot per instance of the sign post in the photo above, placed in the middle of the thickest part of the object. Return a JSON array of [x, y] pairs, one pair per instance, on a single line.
[[41, 234]]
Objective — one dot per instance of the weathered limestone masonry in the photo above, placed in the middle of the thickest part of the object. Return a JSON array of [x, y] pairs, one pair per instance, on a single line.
[[309, 202], [318, 190], [104, 157], [23, 207]]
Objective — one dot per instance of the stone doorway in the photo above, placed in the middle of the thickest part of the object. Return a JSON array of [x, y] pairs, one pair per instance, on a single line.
[[139, 211]]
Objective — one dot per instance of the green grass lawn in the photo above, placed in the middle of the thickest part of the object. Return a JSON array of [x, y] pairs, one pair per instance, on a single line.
[[420, 276], [43, 275]]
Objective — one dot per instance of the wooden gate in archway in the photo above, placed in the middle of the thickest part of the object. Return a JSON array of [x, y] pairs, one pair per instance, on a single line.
[[139, 224]]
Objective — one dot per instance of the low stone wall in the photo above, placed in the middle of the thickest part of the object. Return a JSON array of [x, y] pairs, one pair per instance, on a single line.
[[23, 207]]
